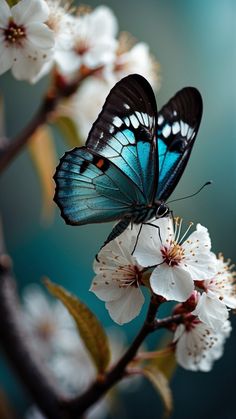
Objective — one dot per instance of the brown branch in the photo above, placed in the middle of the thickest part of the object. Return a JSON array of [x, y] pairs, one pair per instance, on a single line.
[[80, 404], [59, 91]]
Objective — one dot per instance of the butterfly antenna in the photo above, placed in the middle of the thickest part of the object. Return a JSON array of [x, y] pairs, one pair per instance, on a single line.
[[195, 193]]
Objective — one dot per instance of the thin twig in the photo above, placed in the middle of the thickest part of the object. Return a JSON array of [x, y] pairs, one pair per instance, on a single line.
[[60, 90]]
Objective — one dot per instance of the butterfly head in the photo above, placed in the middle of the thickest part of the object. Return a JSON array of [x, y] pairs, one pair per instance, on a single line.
[[162, 209]]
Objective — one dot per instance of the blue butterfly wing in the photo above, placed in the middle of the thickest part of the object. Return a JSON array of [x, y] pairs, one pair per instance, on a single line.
[[115, 172], [178, 124]]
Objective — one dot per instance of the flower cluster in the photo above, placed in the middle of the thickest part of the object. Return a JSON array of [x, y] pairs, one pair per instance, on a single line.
[[38, 35], [175, 266]]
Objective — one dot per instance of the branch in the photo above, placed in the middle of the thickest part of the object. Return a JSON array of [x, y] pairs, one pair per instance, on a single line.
[[59, 91], [80, 404], [15, 345]]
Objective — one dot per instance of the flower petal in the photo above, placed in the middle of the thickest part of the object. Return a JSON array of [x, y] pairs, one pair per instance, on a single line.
[[211, 311], [127, 307], [106, 290], [151, 239], [40, 35], [6, 60], [28, 11], [103, 23], [172, 283], [5, 14]]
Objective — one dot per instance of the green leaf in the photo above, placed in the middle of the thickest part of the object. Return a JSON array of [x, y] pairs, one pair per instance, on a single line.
[[165, 361], [43, 154], [90, 329], [160, 383], [69, 130]]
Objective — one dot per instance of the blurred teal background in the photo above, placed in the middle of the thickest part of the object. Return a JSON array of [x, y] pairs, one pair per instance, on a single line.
[[195, 43]]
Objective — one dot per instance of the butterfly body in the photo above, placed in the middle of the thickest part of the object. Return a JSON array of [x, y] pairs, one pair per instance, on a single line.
[[132, 160]]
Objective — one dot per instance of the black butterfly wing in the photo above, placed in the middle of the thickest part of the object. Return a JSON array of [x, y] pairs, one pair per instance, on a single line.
[[178, 124]]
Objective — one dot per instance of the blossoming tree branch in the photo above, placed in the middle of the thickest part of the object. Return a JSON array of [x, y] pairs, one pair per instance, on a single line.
[[58, 347]]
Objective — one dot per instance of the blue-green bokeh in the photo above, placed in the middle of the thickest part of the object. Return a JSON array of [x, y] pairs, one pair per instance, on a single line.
[[195, 43]]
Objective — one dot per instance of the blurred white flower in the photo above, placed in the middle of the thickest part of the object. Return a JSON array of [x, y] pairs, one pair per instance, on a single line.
[[26, 42], [85, 105], [93, 41], [219, 292], [198, 346], [138, 60], [61, 22], [47, 322], [119, 278], [178, 261]]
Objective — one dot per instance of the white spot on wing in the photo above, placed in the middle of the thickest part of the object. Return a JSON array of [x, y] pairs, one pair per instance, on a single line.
[[145, 118], [175, 128], [117, 121], [175, 113], [134, 121], [101, 135], [184, 128], [139, 116], [190, 132], [127, 122], [126, 106], [111, 129], [160, 119], [166, 131]]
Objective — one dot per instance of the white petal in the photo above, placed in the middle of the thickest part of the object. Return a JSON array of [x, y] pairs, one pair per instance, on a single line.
[[40, 35], [151, 239], [172, 283], [103, 23], [67, 61], [6, 60], [5, 14], [28, 11], [106, 290], [211, 311], [100, 54], [127, 307]]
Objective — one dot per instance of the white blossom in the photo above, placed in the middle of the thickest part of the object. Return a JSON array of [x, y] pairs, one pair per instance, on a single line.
[[198, 346], [137, 60], [179, 261], [93, 41], [85, 105], [219, 292], [26, 42], [119, 278], [46, 321], [61, 22]]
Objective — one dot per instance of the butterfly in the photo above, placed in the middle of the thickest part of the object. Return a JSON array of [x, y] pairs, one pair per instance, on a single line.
[[133, 157]]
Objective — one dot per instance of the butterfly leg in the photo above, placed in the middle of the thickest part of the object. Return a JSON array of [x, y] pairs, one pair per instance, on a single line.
[[136, 241], [116, 231]]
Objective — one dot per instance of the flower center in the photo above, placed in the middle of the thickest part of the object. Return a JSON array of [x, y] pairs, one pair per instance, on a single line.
[[129, 275], [172, 255], [14, 34], [82, 47]]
